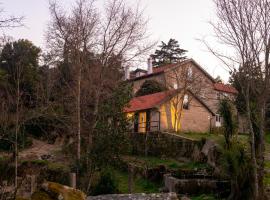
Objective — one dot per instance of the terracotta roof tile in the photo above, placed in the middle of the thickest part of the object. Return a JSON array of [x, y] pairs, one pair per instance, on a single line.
[[147, 101], [225, 88]]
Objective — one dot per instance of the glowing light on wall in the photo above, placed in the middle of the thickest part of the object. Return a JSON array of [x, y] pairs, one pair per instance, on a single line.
[[175, 116], [130, 115]]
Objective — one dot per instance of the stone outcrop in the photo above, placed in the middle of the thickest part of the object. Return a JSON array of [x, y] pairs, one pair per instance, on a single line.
[[55, 191], [196, 186], [160, 196], [209, 150]]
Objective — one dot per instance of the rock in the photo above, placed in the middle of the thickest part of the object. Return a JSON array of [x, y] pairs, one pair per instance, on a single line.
[[40, 195], [61, 192], [195, 186], [46, 157], [209, 150], [197, 155]]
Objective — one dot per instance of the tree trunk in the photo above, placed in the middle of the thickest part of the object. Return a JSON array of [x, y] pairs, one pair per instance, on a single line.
[[79, 115], [253, 153], [16, 131], [260, 153]]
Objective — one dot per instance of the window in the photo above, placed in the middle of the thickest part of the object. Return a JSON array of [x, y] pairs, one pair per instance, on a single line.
[[218, 95], [186, 102], [218, 118], [175, 86], [189, 73]]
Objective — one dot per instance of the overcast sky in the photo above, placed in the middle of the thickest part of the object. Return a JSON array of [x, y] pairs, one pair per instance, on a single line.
[[183, 20]]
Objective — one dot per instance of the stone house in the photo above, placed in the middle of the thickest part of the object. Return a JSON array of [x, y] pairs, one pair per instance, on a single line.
[[187, 81], [155, 112]]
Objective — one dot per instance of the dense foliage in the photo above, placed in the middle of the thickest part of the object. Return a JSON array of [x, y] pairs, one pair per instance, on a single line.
[[237, 166], [150, 87], [168, 53], [229, 122]]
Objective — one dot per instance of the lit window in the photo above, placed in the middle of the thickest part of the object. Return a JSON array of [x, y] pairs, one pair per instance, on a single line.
[[185, 102], [175, 86]]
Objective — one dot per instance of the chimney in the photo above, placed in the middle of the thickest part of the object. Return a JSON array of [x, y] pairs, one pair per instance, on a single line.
[[127, 74], [149, 66]]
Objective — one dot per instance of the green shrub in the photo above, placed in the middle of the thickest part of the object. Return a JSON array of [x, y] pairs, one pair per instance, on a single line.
[[6, 143], [6, 170], [58, 173], [106, 185], [237, 166]]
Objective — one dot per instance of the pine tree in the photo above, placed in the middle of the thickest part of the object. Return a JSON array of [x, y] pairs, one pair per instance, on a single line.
[[168, 53]]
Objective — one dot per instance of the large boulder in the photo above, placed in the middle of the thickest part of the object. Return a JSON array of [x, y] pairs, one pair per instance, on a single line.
[[55, 191], [210, 152]]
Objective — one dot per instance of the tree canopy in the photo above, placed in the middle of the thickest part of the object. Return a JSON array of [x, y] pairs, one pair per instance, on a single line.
[[150, 87], [168, 53], [19, 60]]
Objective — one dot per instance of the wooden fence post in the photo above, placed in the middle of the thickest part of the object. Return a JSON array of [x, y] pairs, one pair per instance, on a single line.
[[33, 184], [73, 180]]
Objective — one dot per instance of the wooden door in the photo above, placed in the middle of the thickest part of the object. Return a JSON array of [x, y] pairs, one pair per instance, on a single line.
[[142, 122]]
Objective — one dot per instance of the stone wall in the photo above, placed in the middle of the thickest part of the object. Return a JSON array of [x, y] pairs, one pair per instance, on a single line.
[[164, 145]]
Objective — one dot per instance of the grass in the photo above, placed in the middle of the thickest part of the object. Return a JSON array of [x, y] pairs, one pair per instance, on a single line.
[[219, 138], [267, 179], [140, 185], [267, 138], [199, 136], [267, 175]]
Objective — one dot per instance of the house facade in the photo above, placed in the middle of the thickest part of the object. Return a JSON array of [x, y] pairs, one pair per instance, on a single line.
[[187, 82]]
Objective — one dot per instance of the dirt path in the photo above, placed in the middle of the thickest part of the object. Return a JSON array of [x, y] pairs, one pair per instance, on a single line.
[[39, 149]]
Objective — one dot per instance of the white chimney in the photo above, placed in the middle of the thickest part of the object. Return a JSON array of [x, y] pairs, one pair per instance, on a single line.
[[127, 74], [149, 66]]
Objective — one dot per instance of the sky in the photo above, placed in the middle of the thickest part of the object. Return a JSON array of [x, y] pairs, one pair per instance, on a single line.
[[184, 20]]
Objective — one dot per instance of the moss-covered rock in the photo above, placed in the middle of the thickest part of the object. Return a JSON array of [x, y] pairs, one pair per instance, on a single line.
[[58, 191], [40, 195]]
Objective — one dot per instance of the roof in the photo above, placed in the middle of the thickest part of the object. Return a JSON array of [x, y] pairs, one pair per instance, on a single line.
[[156, 99], [225, 88], [147, 101], [139, 70], [163, 68]]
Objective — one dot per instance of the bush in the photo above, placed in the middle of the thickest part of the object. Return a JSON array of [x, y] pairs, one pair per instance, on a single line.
[[106, 185], [237, 165], [58, 173], [6, 143], [6, 170]]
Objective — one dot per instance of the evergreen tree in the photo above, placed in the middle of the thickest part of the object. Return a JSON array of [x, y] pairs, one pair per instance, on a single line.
[[150, 87], [168, 53]]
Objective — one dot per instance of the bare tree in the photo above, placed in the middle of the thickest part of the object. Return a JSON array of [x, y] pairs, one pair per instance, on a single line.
[[123, 35], [10, 21], [243, 26], [97, 47], [186, 81], [71, 36]]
